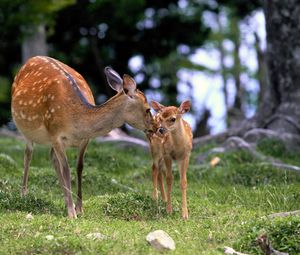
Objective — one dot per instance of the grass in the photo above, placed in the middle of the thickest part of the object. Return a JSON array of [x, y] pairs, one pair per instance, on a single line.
[[227, 203]]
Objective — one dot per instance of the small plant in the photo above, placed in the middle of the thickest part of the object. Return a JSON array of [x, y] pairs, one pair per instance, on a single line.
[[272, 147], [283, 233], [133, 206], [12, 201]]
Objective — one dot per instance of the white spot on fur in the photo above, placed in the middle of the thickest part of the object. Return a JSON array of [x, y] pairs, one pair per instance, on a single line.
[[23, 116]]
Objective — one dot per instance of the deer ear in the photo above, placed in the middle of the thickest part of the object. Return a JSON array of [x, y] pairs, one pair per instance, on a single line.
[[113, 78], [185, 106], [157, 106], [129, 85]]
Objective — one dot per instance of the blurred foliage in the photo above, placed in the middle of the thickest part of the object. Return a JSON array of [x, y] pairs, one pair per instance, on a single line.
[[89, 35]]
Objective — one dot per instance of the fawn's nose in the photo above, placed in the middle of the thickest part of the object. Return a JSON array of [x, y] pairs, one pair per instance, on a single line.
[[162, 130]]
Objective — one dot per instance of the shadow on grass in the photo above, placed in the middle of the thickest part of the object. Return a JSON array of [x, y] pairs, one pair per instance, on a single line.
[[12, 201], [134, 206]]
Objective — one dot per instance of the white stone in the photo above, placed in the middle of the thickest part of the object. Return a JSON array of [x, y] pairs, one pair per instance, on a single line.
[[96, 236], [160, 240], [29, 216], [49, 237]]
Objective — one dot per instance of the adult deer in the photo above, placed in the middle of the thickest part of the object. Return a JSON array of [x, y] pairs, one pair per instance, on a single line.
[[173, 141], [53, 104]]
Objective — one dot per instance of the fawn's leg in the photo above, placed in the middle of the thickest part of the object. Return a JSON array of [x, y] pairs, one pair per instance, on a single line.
[[154, 181], [183, 166], [65, 177], [27, 159], [169, 179], [80, 158], [161, 185]]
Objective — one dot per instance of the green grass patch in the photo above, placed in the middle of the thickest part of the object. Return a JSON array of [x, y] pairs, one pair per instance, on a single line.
[[228, 204]]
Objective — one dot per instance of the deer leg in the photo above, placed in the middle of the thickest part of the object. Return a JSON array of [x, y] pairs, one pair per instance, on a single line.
[[27, 159], [169, 180], [57, 169], [161, 185], [154, 181], [65, 176], [80, 158], [183, 165]]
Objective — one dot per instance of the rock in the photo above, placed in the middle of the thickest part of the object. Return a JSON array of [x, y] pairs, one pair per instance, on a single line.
[[96, 236], [49, 237], [215, 161], [29, 216], [160, 240]]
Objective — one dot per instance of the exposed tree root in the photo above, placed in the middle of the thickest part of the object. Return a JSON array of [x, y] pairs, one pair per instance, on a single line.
[[231, 251], [237, 143], [126, 140], [291, 141], [266, 247], [282, 166], [284, 214]]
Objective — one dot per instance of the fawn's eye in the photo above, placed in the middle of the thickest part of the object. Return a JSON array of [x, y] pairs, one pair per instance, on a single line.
[[173, 119], [148, 111]]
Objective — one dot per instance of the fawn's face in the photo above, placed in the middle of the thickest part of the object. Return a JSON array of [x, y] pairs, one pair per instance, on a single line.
[[168, 118]]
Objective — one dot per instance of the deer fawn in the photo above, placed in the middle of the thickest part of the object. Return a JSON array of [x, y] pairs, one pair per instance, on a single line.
[[173, 141], [53, 104]]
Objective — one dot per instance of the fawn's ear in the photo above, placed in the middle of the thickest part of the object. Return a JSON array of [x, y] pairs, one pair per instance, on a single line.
[[185, 106], [113, 78], [129, 85], [157, 106]]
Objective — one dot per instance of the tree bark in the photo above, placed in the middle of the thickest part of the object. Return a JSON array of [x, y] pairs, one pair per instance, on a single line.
[[280, 109], [35, 43]]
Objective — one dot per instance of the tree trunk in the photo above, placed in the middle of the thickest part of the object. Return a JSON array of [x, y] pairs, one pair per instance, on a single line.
[[35, 43], [280, 110]]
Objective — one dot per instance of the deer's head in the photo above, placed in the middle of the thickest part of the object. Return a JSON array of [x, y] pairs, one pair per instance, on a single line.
[[136, 110], [168, 117]]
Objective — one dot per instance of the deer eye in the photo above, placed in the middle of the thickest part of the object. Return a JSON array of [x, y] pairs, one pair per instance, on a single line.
[[173, 119], [148, 110]]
